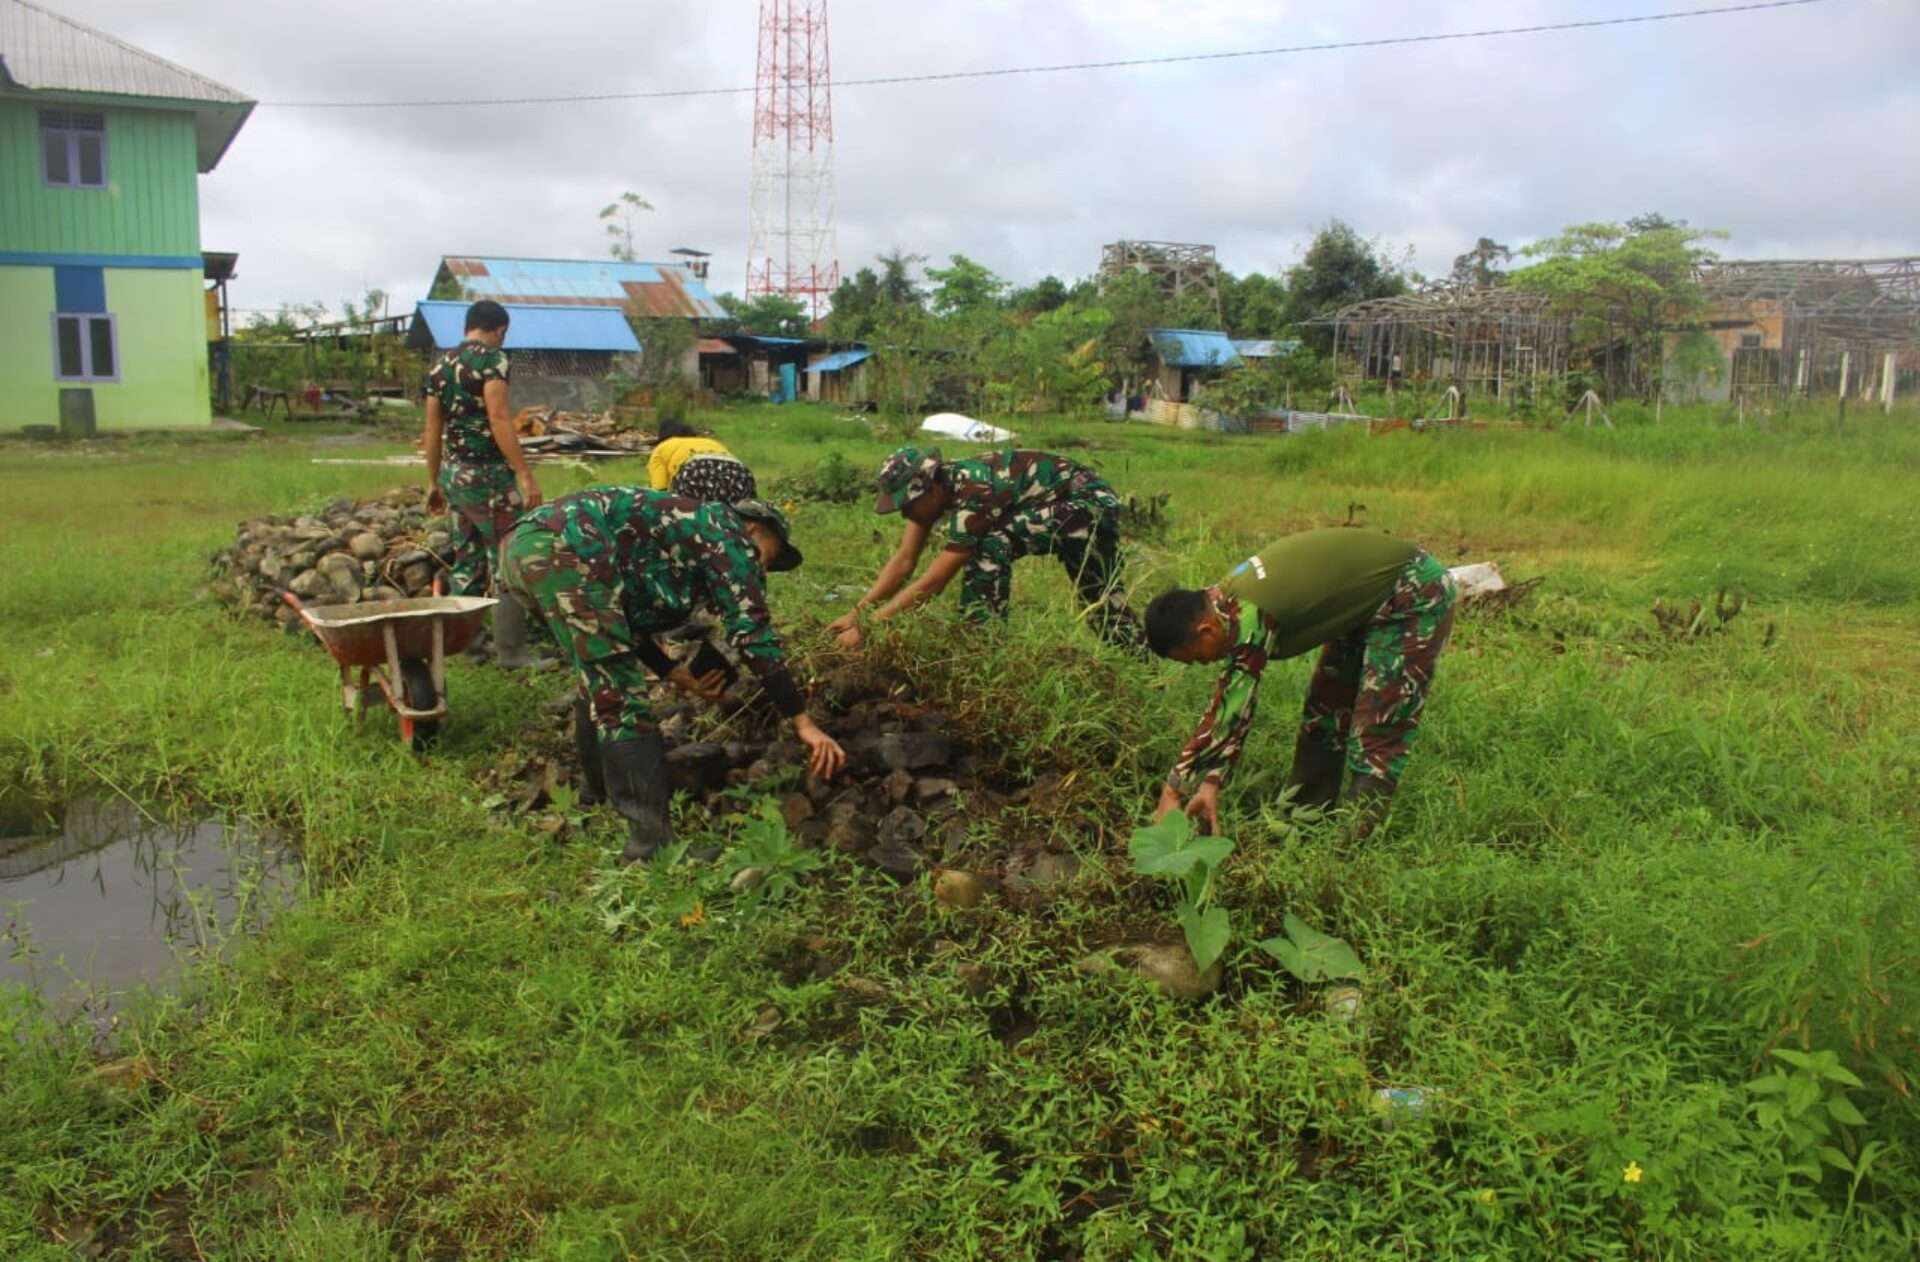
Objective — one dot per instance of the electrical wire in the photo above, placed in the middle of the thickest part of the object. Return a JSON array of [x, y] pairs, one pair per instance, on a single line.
[[1066, 67]]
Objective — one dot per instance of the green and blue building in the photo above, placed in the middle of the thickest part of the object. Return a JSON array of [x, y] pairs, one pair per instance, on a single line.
[[103, 286]]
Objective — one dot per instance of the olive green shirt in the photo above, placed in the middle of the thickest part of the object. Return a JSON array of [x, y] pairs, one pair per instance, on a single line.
[[1318, 585]]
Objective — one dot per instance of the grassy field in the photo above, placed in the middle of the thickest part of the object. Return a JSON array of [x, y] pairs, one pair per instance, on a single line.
[[1643, 922]]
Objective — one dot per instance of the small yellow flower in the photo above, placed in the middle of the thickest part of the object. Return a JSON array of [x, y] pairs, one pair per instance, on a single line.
[[1486, 1196], [698, 916], [1633, 1172]]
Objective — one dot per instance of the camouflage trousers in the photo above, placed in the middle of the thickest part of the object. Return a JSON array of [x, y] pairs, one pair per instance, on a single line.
[[582, 603], [1366, 694], [1085, 534], [484, 501]]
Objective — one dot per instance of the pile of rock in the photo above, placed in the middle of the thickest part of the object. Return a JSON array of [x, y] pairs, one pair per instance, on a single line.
[[383, 548]]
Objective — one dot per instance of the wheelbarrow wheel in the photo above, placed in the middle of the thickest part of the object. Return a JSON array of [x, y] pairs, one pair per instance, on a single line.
[[416, 681]]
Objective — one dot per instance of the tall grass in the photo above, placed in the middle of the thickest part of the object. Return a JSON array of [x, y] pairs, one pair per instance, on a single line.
[[1623, 872]]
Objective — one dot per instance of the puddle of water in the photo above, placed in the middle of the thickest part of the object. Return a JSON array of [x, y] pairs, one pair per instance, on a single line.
[[96, 898]]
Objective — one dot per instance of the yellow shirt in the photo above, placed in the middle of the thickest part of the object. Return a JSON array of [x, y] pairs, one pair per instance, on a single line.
[[668, 456]]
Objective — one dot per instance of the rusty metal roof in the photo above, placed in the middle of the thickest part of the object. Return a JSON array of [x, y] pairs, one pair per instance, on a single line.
[[648, 289], [43, 51]]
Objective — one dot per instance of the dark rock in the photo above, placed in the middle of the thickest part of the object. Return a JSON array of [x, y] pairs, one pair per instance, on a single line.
[[1044, 870], [847, 829], [975, 979], [897, 858], [367, 546], [899, 786], [697, 767], [902, 825], [794, 808], [911, 751], [741, 753]]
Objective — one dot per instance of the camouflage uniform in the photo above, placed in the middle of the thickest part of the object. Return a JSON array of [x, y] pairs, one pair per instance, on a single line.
[[610, 566], [478, 481], [1010, 504], [1366, 694]]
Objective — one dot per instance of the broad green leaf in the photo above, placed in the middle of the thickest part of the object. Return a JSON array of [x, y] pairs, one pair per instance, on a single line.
[[1840, 1074], [1844, 1112], [1313, 956], [1802, 1094], [1169, 848], [1835, 1158], [1769, 1114], [1772, 1084], [1799, 1060], [1207, 933]]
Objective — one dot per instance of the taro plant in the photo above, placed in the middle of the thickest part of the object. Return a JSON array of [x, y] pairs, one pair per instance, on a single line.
[[768, 849], [1169, 849], [1313, 956]]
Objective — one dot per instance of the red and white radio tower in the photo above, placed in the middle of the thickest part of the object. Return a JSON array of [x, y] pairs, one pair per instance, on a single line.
[[791, 248]]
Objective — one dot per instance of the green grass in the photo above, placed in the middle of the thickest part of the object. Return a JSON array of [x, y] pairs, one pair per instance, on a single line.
[[1621, 873]]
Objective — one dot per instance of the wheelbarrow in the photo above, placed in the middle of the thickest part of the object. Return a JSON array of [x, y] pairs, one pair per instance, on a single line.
[[400, 648]]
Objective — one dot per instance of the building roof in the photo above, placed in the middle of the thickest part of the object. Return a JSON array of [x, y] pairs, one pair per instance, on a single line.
[[44, 52], [650, 289], [1194, 348], [839, 361], [532, 327], [1265, 348]]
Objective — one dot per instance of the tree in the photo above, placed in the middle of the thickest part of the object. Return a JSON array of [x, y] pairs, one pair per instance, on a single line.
[[897, 285], [1253, 305], [1622, 289], [617, 217], [1652, 221], [1339, 268], [771, 315], [1045, 294], [868, 300], [1480, 267], [965, 288], [1135, 304]]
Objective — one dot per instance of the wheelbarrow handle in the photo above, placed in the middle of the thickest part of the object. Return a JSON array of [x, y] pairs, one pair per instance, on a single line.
[[300, 609]]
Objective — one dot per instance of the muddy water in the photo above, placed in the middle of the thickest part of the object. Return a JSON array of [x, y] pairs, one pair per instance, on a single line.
[[97, 898]]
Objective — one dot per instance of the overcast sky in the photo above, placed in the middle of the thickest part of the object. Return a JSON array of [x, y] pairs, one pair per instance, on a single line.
[[1794, 130]]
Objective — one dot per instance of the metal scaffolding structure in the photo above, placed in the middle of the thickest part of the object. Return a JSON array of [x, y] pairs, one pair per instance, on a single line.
[[1179, 268], [1838, 327], [792, 248]]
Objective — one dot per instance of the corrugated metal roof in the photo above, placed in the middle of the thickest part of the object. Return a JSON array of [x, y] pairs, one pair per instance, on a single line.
[[651, 289], [1265, 348], [43, 51], [1194, 348], [532, 327], [838, 361]]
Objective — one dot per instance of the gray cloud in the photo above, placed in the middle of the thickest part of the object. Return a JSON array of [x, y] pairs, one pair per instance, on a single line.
[[1787, 128]]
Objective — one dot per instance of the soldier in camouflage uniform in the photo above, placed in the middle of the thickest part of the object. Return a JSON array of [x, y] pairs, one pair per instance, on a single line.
[[1379, 608], [610, 566], [485, 478], [1001, 506]]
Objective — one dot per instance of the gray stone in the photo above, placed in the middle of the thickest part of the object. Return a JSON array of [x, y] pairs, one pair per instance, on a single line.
[[932, 789], [343, 576], [898, 859], [846, 827], [902, 825], [747, 880], [1172, 967], [911, 751], [367, 546], [1046, 869], [899, 786], [307, 584], [795, 808], [975, 979]]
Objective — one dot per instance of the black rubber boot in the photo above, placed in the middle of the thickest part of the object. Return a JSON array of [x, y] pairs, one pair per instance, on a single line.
[[586, 746], [1316, 773], [1371, 797], [637, 785]]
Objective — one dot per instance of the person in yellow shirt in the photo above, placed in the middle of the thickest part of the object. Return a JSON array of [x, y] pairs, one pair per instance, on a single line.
[[698, 468]]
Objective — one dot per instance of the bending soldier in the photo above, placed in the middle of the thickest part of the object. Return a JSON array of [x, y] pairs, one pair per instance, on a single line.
[[1000, 506], [610, 566], [1381, 610]]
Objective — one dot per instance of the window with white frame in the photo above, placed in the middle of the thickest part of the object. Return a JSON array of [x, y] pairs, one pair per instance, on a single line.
[[73, 149], [85, 348]]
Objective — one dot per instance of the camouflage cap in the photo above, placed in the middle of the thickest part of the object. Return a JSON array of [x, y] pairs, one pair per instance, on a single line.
[[788, 558], [905, 476]]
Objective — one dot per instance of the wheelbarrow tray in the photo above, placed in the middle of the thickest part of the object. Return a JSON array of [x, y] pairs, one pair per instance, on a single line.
[[355, 634]]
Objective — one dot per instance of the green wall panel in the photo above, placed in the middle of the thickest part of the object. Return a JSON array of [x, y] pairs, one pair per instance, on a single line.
[[160, 320], [151, 204]]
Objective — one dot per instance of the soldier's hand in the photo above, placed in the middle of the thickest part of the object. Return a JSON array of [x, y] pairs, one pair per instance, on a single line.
[[708, 687], [849, 638], [436, 499], [845, 622], [530, 496], [824, 755], [1203, 808]]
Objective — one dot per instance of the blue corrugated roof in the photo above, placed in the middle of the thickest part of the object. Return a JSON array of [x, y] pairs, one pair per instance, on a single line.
[[838, 360], [534, 327], [1265, 348], [652, 289], [1194, 348]]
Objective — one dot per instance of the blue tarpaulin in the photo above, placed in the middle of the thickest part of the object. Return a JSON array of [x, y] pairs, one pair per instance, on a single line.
[[532, 327], [1194, 348], [838, 361]]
